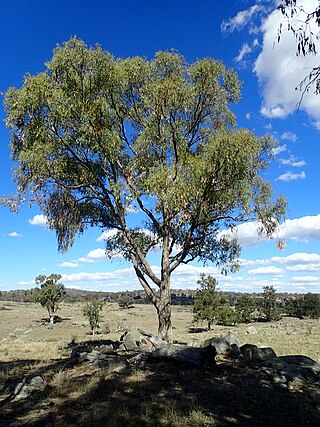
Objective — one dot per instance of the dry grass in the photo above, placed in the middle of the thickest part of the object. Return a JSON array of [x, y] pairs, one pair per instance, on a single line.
[[159, 395], [24, 332]]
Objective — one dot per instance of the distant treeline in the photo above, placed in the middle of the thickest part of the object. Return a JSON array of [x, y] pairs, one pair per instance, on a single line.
[[178, 296]]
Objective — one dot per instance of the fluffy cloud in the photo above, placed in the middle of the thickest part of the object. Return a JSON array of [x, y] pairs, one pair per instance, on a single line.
[[301, 228], [67, 264], [94, 255], [292, 161], [279, 70], [291, 176], [270, 270], [107, 234], [306, 279], [297, 258], [279, 149], [245, 50], [25, 283], [14, 234], [304, 267], [247, 234], [242, 18], [289, 136], [40, 220]]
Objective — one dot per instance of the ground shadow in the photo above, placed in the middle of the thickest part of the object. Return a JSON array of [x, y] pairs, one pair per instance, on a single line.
[[163, 393]]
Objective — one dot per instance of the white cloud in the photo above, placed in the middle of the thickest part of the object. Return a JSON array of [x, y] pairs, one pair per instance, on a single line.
[[14, 234], [107, 234], [291, 176], [39, 220], [306, 279], [97, 254], [300, 228], [248, 116], [279, 70], [241, 19], [274, 271], [84, 259], [67, 264], [297, 258], [98, 276], [292, 161], [279, 149], [304, 267], [289, 136], [246, 233], [295, 229], [25, 283], [251, 263], [245, 50]]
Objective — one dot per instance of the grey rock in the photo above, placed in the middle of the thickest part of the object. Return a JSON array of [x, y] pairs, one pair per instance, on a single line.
[[295, 368], [220, 344], [232, 340], [27, 386], [252, 353], [225, 345], [129, 342]]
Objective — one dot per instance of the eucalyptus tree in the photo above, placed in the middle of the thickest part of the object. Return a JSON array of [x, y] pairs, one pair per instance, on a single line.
[[93, 135], [49, 294]]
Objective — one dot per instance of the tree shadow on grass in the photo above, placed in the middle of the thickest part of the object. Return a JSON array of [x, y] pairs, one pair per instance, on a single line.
[[196, 329], [164, 393]]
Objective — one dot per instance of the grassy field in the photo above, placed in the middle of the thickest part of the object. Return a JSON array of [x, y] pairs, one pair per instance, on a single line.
[[24, 331], [159, 395]]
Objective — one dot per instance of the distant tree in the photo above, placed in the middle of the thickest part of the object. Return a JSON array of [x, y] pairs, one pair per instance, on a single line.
[[294, 307], [207, 300], [92, 136], [226, 315], [299, 22], [311, 305], [49, 294], [269, 307], [92, 310], [125, 301], [245, 306]]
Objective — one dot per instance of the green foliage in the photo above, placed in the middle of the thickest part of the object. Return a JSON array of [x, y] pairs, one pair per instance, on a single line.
[[92, 310], [311, 305], [125, 301], [92, 136], [207, 300], [269, 306], [49, 294], [226, 315], [294, 307], [245, 306]]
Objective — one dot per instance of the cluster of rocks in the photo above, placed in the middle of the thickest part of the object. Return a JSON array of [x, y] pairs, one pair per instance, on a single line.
[[260, 363], [265, 364], [23, 388]]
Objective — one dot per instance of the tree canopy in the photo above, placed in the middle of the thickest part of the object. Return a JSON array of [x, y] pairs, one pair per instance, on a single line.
[[93, 136], [49, 294]]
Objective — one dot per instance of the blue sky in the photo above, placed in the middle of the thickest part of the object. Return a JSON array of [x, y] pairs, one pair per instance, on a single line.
[[241, 34]]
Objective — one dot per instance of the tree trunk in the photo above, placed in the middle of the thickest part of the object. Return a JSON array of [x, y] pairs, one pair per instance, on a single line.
[[51, 316], [164, 313]]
